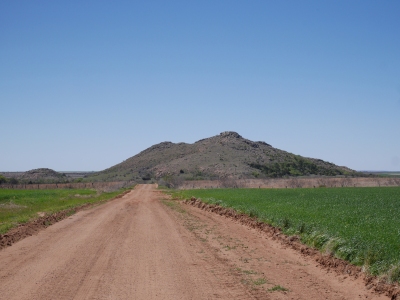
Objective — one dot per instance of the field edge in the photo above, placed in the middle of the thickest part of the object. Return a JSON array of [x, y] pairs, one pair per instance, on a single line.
[[326, 261], [31, 227]]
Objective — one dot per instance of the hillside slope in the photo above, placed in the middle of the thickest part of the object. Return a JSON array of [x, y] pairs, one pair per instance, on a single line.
[[224, 155], [42, 175]]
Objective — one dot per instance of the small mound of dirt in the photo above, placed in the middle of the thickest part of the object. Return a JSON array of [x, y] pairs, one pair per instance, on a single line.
[[326, 261]]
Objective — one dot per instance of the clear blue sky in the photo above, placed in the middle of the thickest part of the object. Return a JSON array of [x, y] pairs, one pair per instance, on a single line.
[[85, 85]]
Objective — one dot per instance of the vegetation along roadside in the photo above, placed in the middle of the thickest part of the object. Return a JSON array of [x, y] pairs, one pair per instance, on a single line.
[[22, 206], [360, 225]]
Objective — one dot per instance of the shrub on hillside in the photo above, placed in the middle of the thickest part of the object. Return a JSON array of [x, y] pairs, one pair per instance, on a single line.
[[3, 179]]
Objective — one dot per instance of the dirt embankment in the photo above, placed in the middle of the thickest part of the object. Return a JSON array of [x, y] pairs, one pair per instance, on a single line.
[[328, 262]]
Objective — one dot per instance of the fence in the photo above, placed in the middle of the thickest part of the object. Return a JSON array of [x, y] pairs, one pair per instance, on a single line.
[[103, 186], [294, 182]]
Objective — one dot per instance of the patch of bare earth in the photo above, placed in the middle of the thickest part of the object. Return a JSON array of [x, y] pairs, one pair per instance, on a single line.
[[143, 247]]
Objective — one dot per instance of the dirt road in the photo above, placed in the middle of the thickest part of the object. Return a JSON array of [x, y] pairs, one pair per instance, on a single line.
[[141, 247]]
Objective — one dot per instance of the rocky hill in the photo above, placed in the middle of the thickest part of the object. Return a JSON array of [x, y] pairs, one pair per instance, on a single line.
[[225, 155], [42, 175]]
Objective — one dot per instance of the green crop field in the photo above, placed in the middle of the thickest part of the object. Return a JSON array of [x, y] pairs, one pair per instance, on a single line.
[[20, 206], [361, 225]]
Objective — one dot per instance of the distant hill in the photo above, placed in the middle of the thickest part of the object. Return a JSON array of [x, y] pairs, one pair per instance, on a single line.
[[42, 175], [225, 155]]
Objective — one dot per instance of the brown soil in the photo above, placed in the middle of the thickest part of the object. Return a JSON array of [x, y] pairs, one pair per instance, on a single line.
[[137, 247]]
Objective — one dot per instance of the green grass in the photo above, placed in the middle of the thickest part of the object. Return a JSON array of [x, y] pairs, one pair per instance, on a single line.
[[278, 288], [360, 225], [20, 206]]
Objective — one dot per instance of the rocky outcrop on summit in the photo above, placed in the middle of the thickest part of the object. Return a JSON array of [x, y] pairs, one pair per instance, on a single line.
[[230, 134], [225, 155]]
